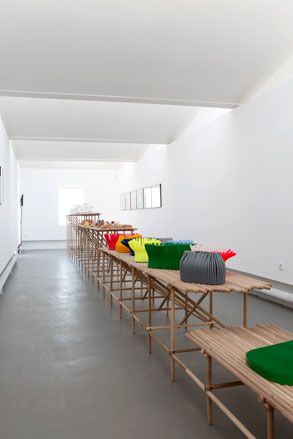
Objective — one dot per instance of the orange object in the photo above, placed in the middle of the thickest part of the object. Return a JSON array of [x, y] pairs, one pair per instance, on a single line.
[[121, 248]]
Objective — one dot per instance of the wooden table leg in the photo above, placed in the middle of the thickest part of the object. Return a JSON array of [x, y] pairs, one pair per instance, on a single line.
[[173, 323], [211, 307], [150, 313], [209, 382], [104, 275], [121, 286], [270, 421], [186, 310], [245, 297], [98, 268], [111, 282], [133, 298]]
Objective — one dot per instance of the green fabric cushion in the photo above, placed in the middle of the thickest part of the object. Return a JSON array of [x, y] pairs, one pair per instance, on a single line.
[[275, 363], [165, 256]]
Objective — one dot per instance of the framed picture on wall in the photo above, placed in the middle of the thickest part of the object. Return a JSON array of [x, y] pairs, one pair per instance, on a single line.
[[127, 201], [139, 199], [133, 200], [147, 197], [1, 185], [122, 202], [156, 196]]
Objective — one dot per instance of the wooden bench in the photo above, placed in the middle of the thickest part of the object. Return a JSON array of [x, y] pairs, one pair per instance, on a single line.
[[228, 346]]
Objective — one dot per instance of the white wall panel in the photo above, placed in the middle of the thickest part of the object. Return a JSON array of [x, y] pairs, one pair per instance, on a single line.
[[228, 183]]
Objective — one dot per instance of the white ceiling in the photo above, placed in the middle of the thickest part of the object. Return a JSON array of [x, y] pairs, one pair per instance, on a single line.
[[60, 129], [198, 52], [29, 118], [103, 79]]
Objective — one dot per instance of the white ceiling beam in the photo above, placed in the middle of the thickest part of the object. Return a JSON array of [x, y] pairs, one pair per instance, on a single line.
[[78, 139], [77, 151], [70, 164], [24, 158], [109, 98]]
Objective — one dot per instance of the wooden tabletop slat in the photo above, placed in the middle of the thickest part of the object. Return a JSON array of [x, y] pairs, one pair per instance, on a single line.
[[108, 229]]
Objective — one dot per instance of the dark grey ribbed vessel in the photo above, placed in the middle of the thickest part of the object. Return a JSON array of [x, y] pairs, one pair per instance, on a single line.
[[203, 268]]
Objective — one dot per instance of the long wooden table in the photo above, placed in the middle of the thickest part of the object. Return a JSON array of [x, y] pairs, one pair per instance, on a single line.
[[72, 221], [163, 291], [145, 294], [88, 240], [228, 346]]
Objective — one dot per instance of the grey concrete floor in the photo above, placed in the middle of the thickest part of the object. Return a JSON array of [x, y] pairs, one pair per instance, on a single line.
[[70, 369]]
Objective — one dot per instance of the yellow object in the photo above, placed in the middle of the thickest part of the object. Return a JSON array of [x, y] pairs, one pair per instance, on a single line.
[[121, 248], [138, 246], [87, 222]]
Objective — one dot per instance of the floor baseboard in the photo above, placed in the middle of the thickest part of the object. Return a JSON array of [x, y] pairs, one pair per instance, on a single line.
[[7, 270]]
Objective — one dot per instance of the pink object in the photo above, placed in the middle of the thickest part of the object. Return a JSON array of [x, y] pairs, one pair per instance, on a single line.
[[111, 239], [227, 254]]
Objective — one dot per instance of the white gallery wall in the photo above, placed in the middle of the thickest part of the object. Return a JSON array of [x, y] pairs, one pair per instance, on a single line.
[[9, 209], [40, 188], [228, 183]]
